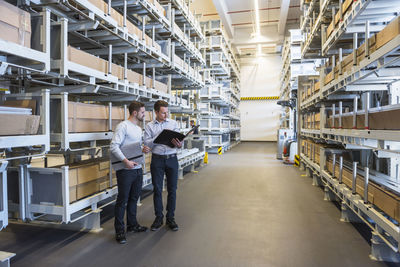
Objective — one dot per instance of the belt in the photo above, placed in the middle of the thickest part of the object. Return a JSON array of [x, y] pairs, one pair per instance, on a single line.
[[131, 170], [164, 156]]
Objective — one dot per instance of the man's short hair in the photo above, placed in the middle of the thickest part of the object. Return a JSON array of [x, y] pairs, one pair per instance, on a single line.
[[159, 104], [192, 121], [135, 106]]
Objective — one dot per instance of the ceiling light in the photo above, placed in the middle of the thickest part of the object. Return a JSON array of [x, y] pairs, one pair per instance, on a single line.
[[257, 18], [259, 51]]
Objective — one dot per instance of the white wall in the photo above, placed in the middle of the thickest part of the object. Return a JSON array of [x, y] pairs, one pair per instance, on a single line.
[[260, 77]]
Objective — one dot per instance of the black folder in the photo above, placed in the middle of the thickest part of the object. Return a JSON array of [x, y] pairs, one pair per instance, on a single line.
[[166, 136]]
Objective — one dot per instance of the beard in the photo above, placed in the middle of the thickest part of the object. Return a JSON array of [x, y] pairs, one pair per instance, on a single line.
[[140, 119]]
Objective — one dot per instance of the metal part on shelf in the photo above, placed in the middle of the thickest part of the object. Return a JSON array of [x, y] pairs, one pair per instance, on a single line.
[[3, 195]]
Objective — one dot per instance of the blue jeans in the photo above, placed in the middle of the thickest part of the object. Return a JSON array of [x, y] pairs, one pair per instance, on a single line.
[[129, 189], [169, 167]]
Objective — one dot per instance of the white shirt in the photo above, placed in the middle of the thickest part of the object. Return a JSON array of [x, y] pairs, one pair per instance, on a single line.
[[153, 129], [125, 133]]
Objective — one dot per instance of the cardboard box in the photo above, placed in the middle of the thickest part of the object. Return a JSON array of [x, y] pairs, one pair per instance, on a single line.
[[72, 194], [132, 29], [361, 49], [383, 120], [103, 6], [346, 5], [388, 33], [15, 24], [84, 117], [117, 71], [87, 172], [52, 161], [160, 8], [117, 113], [317, 86], [135, 77], [337, 18], [317, 117], [347, 63], [329, 30], [100, 4], [85, 59], [308, 91], [91, 172], [377, 195], [19, 124], [328, 78], [117, 16], [148, 116], [149, 82], [162, 87], [21, 104], [92, 187]]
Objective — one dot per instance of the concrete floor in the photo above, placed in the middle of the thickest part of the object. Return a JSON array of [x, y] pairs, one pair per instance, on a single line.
[[244, 209]]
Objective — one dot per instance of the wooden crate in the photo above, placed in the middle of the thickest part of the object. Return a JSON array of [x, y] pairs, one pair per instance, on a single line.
[[388, 33]]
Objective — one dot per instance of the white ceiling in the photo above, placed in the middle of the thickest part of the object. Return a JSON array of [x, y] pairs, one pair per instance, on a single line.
[[268, 10], [238, 18]]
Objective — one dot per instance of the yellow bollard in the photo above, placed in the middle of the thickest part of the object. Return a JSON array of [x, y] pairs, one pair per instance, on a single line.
[[206, 158]]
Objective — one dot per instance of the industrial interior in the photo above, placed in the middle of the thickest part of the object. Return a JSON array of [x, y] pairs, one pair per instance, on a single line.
[[199, 133]]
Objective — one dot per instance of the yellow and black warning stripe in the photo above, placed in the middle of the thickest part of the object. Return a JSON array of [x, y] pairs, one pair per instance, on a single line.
[[220, 150], [260, 98], [296, 160]]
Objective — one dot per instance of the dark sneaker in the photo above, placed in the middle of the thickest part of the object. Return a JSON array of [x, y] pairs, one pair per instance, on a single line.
[[172, 224], [136, 229], [120, 238], [158, 222]]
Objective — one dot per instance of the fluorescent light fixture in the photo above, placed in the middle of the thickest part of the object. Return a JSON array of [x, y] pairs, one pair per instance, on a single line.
[[256, 9]]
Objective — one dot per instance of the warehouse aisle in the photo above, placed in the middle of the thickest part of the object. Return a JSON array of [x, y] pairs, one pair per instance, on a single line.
[[244, 209]]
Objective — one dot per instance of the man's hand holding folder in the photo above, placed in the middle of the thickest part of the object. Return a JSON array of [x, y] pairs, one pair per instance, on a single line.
[[176, 142], [172, 138]]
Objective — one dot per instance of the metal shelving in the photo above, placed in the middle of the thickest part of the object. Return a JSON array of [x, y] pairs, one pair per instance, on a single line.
[[220, 97], [3, 195], [376, 13], [358, 83], [134, 51], [43, 137]]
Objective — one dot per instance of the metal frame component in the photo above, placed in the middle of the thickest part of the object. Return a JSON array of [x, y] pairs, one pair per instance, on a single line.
[[3, 195]]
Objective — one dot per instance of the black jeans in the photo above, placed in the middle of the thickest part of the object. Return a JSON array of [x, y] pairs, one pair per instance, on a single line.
[[129, 189], [169, 167]]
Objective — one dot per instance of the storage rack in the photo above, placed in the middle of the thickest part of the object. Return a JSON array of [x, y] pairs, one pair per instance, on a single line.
[[219, 98], [294, 68], [342, 112], [147, 51]]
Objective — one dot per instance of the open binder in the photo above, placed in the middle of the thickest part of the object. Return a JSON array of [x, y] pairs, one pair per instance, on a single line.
[[166, 136]]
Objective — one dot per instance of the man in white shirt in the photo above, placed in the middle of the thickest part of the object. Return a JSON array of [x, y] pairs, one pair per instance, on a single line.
[[130, 179], [163, 161]]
